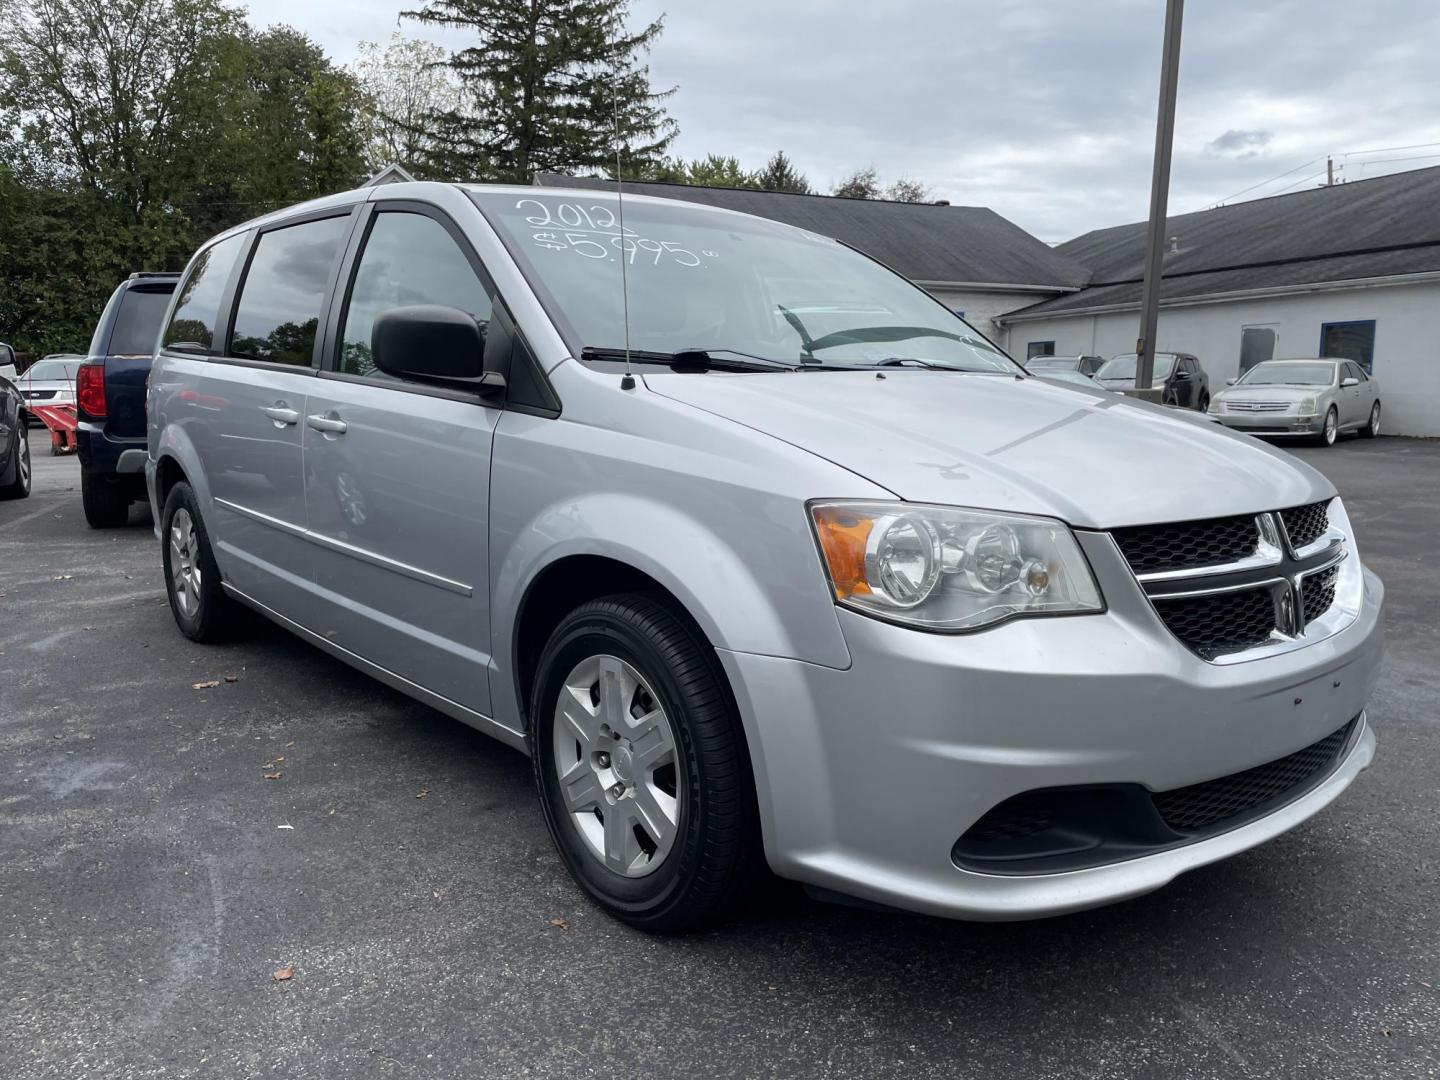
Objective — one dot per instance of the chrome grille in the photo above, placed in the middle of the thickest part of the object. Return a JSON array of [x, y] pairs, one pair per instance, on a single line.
[[1219, 623], [1306, 524], [1233, 585], [1184, 545], [1256, 406]]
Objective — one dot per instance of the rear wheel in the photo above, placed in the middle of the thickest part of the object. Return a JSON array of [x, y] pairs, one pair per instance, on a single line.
[[202, 610], [107, 505], [1330, 430], [642, 770], [1370, 430], [1204, 403], [19, 486]]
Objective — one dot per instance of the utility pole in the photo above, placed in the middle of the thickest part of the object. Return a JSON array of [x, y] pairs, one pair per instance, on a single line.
[[1329, 171], [1159, 199]]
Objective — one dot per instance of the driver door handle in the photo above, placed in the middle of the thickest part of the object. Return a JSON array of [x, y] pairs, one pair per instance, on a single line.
[[281, 413], [331, 425]]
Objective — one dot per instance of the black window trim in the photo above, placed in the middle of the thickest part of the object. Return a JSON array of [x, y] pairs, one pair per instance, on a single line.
[[227, 294], [328, 340], [229, 300]]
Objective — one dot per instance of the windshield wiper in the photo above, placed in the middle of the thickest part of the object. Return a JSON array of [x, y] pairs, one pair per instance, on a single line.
[[691, 359]]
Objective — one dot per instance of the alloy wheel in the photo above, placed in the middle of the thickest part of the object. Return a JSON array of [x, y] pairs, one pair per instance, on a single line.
[[615, 757], [1375, 419], [1330, 428], [24, 461], [184, 563]]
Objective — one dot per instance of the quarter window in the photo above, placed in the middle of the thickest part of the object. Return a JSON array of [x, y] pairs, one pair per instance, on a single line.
[[408, 259], [280, 303], [192, 326]]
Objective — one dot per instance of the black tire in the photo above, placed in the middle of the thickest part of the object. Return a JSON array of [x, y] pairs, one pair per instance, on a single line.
[[19, 486], [215, 616], [1330, 432], [107, 504], [1372, 426], [1204, 403], [716, 854]]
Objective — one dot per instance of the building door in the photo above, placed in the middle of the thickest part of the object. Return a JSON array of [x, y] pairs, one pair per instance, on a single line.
[[1257, 344]]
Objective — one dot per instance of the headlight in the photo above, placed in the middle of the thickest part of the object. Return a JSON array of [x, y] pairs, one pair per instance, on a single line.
[[941, 568], [1306, 406], [1217, 404]]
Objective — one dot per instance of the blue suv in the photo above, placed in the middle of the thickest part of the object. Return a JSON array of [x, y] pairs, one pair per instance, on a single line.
[[110, 398]]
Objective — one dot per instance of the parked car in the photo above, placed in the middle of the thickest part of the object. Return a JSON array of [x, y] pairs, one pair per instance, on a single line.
[[749, 587], [110, 397], [1312, 399], [1049, 365], [1181, 380], [14, 443], [8, 370], [49, 381]]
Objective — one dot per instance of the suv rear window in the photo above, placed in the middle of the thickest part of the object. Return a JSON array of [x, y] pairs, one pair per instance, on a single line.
[[279, 307], [194, 321], [138, 321]]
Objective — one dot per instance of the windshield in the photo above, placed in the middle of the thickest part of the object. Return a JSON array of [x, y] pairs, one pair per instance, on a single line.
[[1289, 375], [1052, 363], [708, 280], [1123, 366], [52, 371]]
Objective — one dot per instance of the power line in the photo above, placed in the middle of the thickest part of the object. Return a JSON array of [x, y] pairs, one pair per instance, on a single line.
[[1388, 149], [1262, 183], [1297, 183], [1384, 161]]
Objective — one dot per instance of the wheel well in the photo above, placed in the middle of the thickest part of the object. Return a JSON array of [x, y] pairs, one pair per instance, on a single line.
[[167, 474], [562, 587]]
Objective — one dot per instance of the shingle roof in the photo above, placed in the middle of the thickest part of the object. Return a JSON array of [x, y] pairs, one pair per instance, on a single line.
[[924, 242], [1365, 229]]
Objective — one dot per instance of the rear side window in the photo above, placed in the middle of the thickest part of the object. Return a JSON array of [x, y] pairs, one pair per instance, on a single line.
[[137, 323], [279, 307], [193, 324], [408, 259]]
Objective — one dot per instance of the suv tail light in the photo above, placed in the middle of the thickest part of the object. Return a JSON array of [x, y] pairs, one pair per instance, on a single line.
[[90, 390]]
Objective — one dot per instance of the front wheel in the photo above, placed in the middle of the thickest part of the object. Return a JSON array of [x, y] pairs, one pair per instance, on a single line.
[[1204, 405], [1370, 430], [1330, 430], [641, 765], [19, 486]]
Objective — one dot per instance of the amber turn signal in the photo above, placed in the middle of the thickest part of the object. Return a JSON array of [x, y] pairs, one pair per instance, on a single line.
[[843, 535]]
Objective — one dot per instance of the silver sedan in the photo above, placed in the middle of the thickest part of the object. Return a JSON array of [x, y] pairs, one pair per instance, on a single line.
[[1313, 399]]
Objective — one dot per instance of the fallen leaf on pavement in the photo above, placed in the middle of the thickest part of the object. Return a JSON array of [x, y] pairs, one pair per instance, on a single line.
[[422, 793], [285, 974], [232, 678], [273, 775], [63, 577], [559, 922], [206, 685]]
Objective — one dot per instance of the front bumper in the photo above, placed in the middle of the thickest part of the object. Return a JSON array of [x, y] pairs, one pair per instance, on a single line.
[[1271, 424], [867, 777]]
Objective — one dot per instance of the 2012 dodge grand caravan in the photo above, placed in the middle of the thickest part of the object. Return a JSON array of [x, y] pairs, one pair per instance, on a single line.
[[790, 566]]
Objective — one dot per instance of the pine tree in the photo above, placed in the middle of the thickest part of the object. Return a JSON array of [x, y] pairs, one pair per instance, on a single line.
[[544, 81], [780, 174]]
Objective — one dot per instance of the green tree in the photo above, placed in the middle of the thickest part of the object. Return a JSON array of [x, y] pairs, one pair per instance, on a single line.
[[717, 170], [544, 82], [779, 174], [403, 86], [907, 190], [862, 184]]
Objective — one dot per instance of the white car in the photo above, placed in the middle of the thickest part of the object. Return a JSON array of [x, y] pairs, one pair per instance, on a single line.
[[1310, 399], [50, 381]]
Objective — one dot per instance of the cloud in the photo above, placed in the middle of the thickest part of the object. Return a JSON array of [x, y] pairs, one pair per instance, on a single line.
[[1237, 143]]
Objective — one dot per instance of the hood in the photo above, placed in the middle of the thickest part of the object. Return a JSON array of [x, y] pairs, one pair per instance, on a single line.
[[1092, 459]]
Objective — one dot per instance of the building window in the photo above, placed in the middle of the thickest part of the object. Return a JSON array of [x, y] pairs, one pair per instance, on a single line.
[[1350, 341], [1039, 348]]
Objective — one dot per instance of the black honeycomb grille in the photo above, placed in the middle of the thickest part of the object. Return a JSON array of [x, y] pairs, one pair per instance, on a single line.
[[1013, 819], [1201, 806], [1318, 593], [1220, 622], [1306, 524], [1186, 545]]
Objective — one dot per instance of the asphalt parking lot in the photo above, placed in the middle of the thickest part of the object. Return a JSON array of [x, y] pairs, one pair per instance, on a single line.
[[164, 851]]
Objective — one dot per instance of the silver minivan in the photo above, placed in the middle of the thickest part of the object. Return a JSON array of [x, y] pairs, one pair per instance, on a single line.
[[765, 557]]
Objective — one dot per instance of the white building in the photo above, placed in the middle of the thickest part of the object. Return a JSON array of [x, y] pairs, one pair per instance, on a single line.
[[1351, 270]]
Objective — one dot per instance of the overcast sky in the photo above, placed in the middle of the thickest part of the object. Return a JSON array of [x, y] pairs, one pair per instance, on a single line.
[[1043, 110]]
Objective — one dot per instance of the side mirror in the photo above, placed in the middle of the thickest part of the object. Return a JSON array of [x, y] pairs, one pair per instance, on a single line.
[[1231, 382], [430, 343], [1182, 375], [1351, 381]]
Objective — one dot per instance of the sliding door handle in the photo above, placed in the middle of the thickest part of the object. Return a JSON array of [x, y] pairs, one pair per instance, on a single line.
[[281, 413]]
